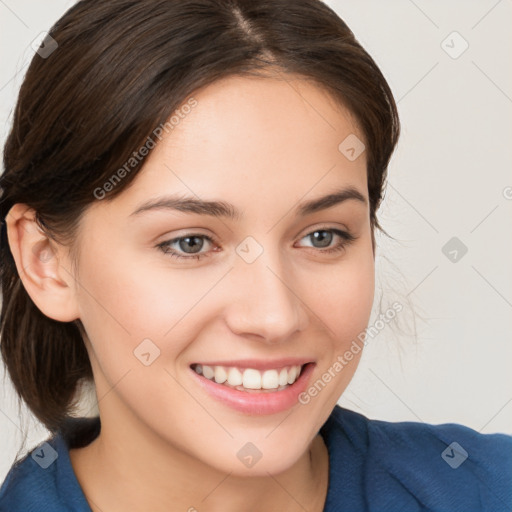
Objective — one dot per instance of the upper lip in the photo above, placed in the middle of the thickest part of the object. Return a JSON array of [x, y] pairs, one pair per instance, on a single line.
[[259, 364]]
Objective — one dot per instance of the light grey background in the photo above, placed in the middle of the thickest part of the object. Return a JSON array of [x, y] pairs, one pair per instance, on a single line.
[[450, 177]]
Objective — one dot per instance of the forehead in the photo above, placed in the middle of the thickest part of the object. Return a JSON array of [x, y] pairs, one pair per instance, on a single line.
[[256, 116], [247, 139]]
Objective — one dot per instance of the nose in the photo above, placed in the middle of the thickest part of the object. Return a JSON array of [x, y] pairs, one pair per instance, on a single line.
[[263, 300]]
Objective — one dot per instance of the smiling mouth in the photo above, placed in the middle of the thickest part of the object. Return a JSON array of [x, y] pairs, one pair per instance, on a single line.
[[249, 379]]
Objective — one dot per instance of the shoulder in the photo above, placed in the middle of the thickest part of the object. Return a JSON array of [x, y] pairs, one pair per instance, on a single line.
[[32, 482], [44, 480], [425, 466]]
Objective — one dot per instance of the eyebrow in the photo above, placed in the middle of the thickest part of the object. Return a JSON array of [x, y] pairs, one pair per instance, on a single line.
[[229, 211]]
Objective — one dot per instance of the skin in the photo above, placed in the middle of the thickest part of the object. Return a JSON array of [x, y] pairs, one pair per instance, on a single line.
[[264, 145]]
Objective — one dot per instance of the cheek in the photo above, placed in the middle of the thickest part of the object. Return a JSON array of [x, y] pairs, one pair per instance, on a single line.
[[343, 299], [342, 295], [126, 290], [119, 306], [128, 299], [130, 313], [351, 307]]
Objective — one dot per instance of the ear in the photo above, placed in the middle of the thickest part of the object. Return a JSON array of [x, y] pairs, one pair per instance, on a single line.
[[42, 265]]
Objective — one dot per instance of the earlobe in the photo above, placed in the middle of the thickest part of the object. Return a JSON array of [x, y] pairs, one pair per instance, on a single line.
[[41, 265]]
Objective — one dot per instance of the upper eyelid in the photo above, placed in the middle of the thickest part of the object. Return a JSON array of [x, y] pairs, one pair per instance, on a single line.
[[343, 229], [308, 231]]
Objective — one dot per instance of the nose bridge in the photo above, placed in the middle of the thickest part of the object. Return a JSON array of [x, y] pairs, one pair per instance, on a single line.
[[265, 303]]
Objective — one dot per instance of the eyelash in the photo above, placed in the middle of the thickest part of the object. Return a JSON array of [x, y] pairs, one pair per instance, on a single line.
[[164, 246]]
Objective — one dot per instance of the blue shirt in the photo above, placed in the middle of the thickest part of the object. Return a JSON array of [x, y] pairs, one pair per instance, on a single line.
[[373, 466]]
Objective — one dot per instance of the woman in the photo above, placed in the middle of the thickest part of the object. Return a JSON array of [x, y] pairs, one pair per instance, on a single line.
[[189, 201]]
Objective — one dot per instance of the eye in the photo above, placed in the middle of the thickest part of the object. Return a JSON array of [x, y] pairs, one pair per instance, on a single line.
[[188, 245], [324, 237]]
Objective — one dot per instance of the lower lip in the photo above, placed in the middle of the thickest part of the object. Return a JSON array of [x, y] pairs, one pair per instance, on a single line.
[[258, 403]]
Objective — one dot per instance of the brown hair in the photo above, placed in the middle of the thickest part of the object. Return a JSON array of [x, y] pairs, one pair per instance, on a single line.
[[120, 69]]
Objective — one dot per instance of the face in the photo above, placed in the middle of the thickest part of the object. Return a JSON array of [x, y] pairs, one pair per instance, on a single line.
[[273, 286]]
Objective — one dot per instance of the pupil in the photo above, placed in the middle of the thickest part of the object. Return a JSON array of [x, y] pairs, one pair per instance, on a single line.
[[325, 240], [185, 244]]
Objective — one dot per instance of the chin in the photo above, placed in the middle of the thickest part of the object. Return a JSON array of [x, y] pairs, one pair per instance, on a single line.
[[260, 457]]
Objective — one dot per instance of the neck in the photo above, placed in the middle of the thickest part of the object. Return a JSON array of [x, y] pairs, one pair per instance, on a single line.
[[129, 467]]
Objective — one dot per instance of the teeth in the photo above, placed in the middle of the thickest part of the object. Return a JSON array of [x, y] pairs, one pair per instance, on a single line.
[[235, 377], [270, 379], [283, 377], [208, 371], [292, 374], [220, 375], [250, 378]]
